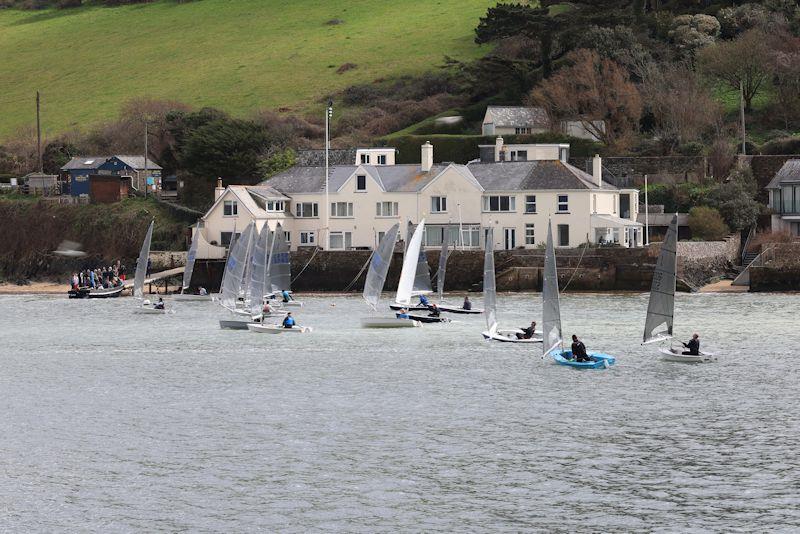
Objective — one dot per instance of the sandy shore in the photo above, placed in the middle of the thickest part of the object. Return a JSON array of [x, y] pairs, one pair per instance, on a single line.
[[724, 286], [41, 288]]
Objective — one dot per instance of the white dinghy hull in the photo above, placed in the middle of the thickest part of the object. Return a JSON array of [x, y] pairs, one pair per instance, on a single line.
[[675, 355], [181, 297], [509, 336], [149, 311], [234, 324], [278, 329], [388, 322], [292, 304]]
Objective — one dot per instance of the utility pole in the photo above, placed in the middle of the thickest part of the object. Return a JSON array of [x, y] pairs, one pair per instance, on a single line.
[[39, 134], [328, 115], [145, 158], [646, 214], [741, 112]]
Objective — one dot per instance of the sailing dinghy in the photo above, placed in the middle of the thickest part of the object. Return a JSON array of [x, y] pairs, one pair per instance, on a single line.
[[183, 296], [553, 343], [493, 333], [661, 308], [281, 269], [144, 307], [233, 279], [376, 278], [415, 278]]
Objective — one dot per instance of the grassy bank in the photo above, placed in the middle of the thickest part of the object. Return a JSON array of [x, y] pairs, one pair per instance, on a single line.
[[33, 229], [239, 56]]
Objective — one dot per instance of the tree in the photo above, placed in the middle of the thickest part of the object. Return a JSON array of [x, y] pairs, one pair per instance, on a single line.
[[735, 200], [592, 89], [56, 154], [226, 148], [692, 32], [683, 109], [706, 224], [743, 61]]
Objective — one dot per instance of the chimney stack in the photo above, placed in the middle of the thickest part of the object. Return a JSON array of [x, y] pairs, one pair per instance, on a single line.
[[427, 157], [219, 190], [597, 170], [498, 148]]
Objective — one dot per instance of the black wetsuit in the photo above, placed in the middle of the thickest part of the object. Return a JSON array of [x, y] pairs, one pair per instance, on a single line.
[[693, 346], [527, 333], [579, 352]]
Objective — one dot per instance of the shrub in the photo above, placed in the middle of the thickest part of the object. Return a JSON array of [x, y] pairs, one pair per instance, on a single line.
[[706, 224], [786, 145]]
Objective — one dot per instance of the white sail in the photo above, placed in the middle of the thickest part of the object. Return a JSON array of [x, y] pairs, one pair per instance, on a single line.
[[235, 268], [443, 254], [280, 270], [379, 267], [141, 263], [190, 258], [551, 309], [661, 309], [405, 288], [244, 287], [489, 287], [422, 277], [259, 270]]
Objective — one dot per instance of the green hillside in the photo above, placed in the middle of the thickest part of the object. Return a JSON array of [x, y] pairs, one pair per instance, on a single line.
[[238, 55]]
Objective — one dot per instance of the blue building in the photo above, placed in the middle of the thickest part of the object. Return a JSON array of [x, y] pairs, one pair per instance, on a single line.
[[135, 167]]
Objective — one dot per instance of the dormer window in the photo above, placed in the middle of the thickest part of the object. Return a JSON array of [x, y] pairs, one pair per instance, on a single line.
[[381, 159], [365, 159], [361, 182]]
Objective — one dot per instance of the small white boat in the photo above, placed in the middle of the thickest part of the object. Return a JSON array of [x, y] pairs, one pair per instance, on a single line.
[[510, 336], [388, 322], [676, 355], [278, 329], [234, 324], [146, 307], [291, 304], [149, 310]]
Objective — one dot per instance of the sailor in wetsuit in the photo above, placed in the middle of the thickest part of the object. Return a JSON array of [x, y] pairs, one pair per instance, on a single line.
[[434, 311], [288, 321], [159, 305], [528, 332], [579, 350], [693, 346]]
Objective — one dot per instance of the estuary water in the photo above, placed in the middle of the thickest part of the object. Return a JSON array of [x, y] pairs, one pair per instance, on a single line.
[[113, 422]]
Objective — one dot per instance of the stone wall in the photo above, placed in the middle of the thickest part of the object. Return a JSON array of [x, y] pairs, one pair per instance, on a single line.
[[774, 279], [630, 171], [316, 158], [167, 259], [786, 255], [699, 261]]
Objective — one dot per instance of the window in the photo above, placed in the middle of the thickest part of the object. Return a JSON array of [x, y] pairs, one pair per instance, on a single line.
[[563, 203], [499, 203], [308, 238], [530, 203], [225, 238], [520, 155], [275, 205], [380, 238], [341, 240], [386, 209], [530, 234], [288, 236], [364, 158], [361, 182], [438, 204], [519, 131], [471, 235], [382, 159], [776, 201], [230, 208], [341, 209], [306, 209], [563, 235]]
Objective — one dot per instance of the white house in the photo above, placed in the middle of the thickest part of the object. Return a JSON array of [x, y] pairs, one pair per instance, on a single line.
[[516, 198], [784, 198], [518, 120]]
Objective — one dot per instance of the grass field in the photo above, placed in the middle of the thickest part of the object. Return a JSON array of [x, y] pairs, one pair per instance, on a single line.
[[239, 55]]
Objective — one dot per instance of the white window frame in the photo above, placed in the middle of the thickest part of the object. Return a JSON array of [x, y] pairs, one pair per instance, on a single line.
[[288, 237], [365, 159], [300, 210], [232, 206], [345, 236], [562, 206], [438, 204], [336, 212], [487, 204], [381, 159], [308, 238], [393, 209], [530, 201], [530, 234], [360, 177], [275, 206]]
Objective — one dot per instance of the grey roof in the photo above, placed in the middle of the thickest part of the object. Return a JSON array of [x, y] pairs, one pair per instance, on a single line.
[[518, 116], [532, 175], [789, 173], [266, 192], [80, 162], [137, 162], [396, 178]]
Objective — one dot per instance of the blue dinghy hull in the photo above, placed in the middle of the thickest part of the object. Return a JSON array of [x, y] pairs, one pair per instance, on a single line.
[[599, 360]]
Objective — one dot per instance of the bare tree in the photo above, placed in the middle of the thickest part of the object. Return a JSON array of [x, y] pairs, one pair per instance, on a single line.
[[682, 107], [597, 92], [745, 61]]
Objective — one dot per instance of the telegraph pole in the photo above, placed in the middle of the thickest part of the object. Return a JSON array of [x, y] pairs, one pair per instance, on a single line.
[[741, 112], [39, 133], [145, 158], [328, 115]]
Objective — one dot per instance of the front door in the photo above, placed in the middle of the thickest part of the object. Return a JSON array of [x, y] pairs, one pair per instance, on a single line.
[[510, 240]]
